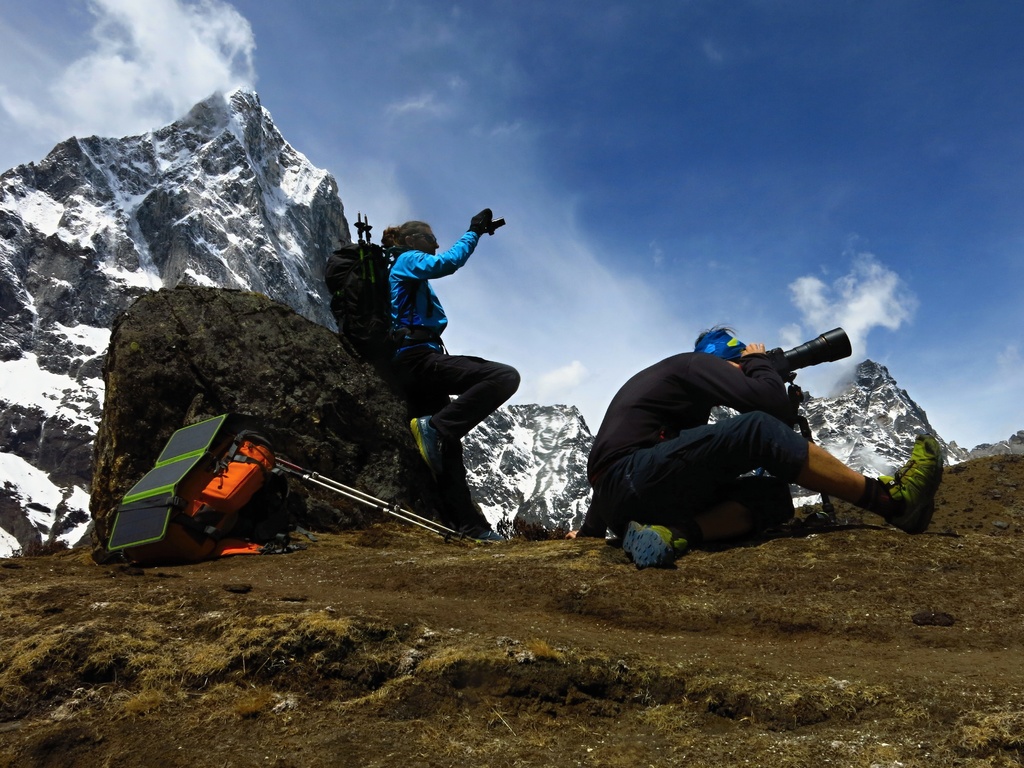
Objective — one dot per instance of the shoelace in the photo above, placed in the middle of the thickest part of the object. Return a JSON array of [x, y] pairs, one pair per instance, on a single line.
[[900, 473]]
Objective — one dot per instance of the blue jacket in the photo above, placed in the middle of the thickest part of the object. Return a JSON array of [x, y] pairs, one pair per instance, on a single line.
[[413, 301]]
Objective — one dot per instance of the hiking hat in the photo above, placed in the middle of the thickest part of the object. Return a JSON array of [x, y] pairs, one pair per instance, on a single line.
[[720, 343]]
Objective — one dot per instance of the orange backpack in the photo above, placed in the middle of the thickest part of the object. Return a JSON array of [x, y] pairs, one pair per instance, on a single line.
[[212, 492]]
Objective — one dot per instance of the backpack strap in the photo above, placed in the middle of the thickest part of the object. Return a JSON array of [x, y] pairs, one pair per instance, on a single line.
[[409, 335], [196, 526], [234, 453]]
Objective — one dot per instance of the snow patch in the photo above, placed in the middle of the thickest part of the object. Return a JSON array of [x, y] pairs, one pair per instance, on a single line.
[[33, 490], [36, 209], [28, 485], [301, 181], [139, 278], [201, 279], [55, 395], [84, 221], [8, 544], [78, 500], [86, 337]]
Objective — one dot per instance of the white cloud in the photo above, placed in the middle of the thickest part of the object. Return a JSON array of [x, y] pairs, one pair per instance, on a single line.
[[1010, 360], [712, 52], [25, 112], [425, 103], [151, 61], [560, 382], [867, 297], [657, 253]]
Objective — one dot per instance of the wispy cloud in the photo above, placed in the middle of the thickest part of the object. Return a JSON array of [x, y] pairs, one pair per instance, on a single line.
[[561, 382], [869, 296], [150, 61], [712, 52], [424, 104]]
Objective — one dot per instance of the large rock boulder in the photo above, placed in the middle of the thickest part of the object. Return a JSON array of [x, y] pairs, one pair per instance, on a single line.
[[180, 356]]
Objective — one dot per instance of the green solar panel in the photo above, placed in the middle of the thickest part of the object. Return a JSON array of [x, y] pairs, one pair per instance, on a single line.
[[191, 440], [140, 523], [162, 479], [146, 510]]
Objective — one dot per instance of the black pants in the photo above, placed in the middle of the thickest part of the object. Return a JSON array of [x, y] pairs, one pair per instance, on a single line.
[[678, 479], [429, 378]]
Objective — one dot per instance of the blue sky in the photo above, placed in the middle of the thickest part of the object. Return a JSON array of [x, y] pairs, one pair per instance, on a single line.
[[783, 167]]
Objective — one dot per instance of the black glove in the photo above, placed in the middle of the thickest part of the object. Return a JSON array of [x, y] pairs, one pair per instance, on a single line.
[[481, 222]]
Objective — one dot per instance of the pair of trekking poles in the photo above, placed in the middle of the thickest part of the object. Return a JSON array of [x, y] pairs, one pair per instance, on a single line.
[[393, 509]]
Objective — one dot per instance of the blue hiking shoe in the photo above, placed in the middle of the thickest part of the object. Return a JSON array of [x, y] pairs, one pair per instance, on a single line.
[[915, 484], [651, 546], [428, 441], [488, 535]]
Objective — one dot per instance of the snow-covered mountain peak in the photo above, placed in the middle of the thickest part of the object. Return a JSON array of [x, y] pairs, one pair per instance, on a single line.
[[217, 198], [530, 462]]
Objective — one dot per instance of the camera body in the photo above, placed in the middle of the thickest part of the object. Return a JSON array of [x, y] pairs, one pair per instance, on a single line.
[[828, 347], [494, 224]]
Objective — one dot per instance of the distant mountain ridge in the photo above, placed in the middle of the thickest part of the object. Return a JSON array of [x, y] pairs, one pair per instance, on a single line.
[[219, 198], [1013, 445]]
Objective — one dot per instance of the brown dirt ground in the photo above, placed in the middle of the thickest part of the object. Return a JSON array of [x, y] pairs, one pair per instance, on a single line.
[[391, 646]]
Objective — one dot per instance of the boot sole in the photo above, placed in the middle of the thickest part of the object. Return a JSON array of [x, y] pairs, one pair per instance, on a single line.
[[646, 548]]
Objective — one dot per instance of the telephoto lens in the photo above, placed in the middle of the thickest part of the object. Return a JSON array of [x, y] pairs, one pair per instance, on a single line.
[[828, 347]]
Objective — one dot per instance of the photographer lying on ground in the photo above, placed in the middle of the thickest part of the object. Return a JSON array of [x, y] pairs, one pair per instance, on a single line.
[[665, 480]]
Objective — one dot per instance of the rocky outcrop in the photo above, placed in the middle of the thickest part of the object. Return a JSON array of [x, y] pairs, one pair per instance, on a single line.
[[180, 356]]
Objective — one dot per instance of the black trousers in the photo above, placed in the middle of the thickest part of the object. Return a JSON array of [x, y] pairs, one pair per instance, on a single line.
[[677, 479], [429, 378]]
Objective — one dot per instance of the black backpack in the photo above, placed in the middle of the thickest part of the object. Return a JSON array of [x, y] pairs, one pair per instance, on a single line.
[[357, 276]]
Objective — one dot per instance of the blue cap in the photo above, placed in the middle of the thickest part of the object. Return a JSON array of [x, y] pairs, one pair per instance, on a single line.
[[720, 343]]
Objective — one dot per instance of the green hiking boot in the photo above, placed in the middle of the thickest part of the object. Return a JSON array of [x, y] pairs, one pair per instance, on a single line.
[[915, 484], [651, 545]]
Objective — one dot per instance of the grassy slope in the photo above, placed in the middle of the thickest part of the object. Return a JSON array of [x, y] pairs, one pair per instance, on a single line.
[[390, 646]]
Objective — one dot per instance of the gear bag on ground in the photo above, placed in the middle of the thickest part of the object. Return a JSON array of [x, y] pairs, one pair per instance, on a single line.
[[212, 493]]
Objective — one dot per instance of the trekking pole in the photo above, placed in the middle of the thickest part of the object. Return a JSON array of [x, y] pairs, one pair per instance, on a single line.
[[363, 227], [362, 497]]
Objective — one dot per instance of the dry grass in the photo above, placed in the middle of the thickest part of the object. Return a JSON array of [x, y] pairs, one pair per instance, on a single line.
[[145, 702], [388, 646], [989, 734]]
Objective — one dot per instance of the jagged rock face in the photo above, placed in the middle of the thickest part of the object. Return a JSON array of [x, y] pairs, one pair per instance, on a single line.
[[180, 356], [871, 425], [530, 462], [218, 198]]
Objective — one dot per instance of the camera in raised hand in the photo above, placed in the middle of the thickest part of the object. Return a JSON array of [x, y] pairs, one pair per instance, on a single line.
[[485, 222]]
